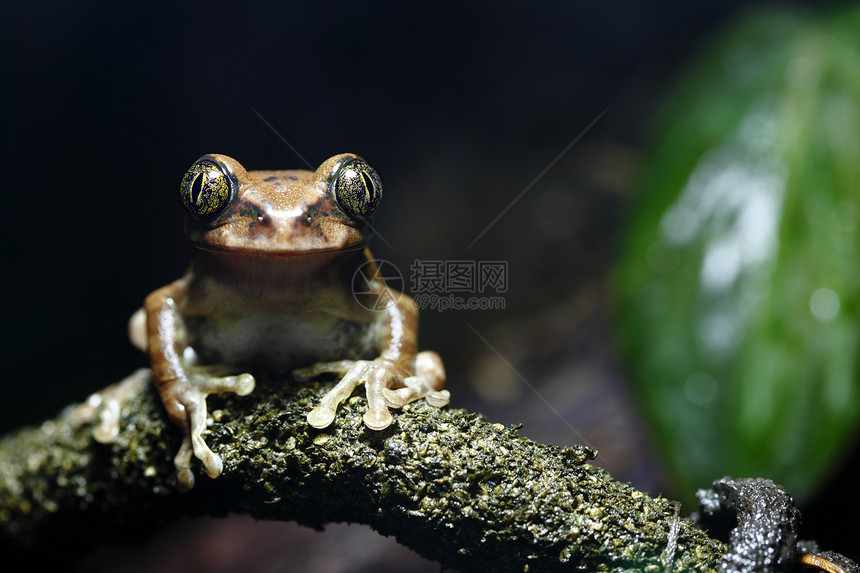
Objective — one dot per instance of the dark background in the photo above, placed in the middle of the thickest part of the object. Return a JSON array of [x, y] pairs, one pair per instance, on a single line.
[[459, 107]]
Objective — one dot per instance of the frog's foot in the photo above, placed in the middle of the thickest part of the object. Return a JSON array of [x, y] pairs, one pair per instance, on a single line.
[[354, 372], [384, 384], [106, 404], [427, 383], [185, 401]]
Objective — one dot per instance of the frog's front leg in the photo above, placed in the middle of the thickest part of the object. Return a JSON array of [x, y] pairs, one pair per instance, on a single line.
[[397, 377], [182, 384]]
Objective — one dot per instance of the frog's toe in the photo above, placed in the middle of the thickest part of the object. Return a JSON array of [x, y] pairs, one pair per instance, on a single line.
[[193, 445], [105, 406], [321, 417], [339, 367], [400, 397], [107, 430], [182, 463], [185, 400], [244, 384], [438, 398], [107, 412], [195, 406], [377, 419], [241, 384], [211, 463], [416, 387]]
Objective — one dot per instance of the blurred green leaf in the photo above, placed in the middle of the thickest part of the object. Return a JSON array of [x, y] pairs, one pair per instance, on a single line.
[[739, 279]]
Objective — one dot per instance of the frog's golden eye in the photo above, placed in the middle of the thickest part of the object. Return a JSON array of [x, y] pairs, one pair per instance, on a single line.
[[206, 189], [357, 188]]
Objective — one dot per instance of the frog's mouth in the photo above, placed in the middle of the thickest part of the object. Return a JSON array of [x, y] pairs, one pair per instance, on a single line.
[[276, 270], [275, 252]]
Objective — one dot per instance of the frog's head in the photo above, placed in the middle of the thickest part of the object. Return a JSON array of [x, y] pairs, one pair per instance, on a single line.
[[284, 213]]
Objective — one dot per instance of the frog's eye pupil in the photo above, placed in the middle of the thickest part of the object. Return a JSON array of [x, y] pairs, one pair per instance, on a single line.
[[206, 189], [196, 188], [368, 185], [357, 188]]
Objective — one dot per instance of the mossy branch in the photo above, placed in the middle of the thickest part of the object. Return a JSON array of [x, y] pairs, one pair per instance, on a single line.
[[447, 483]]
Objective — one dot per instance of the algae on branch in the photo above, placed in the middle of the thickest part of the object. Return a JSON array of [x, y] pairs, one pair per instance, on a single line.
[[446, 483]]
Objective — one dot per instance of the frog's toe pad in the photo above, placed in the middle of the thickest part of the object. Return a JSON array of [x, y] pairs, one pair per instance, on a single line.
[[438, 398], [205, 383], [213, 464], [321, 417], [244, 384], [397, 398], [377, 419], [184, 479], [182, 463], [107, 431]]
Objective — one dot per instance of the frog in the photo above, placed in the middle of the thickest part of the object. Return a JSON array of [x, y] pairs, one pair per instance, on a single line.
[[272, 288]]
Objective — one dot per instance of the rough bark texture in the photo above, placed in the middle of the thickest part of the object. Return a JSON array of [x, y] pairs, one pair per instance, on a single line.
[[447, 483]]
